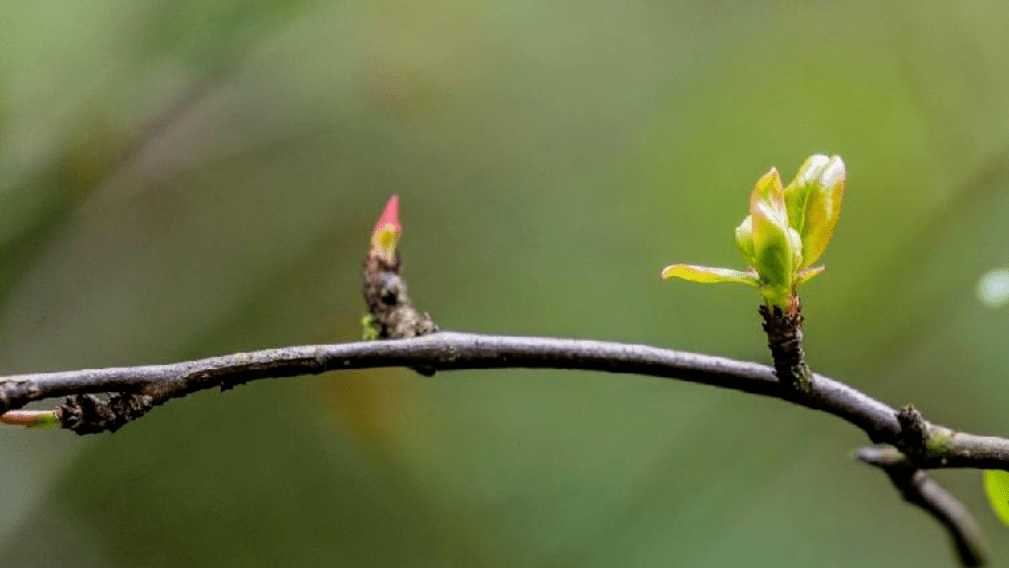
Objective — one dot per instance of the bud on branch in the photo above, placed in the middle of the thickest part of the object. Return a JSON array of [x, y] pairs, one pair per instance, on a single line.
[[787, 230]]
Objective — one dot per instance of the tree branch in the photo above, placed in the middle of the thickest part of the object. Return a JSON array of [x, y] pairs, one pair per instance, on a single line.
[[139, 389], [446, 351], [784, 335], [921, 490], [442, 351], [906, 443]]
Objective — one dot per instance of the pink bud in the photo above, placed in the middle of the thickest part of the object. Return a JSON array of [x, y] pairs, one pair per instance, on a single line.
[[387, 232], [390, 216]]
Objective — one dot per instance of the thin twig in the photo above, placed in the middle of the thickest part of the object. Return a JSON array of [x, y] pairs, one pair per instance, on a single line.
[[148, 386], [784, 336], [921, 490], [136, 390], [446, 351], [442, 350]]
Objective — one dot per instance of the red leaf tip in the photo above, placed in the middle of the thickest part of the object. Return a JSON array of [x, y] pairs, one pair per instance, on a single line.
[[387, 232], [390, 216]]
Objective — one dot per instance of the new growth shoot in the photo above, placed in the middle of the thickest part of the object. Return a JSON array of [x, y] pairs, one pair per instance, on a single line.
[[787, 230]]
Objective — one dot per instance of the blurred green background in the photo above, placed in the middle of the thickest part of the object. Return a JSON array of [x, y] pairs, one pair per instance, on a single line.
[[183, 178]]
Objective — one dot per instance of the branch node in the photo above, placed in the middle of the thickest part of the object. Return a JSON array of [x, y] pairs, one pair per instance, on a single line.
[[88, 414], [385, 291], [913, 438], [392, 314]]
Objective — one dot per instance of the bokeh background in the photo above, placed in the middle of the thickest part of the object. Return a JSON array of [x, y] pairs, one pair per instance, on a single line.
[[183, 178]]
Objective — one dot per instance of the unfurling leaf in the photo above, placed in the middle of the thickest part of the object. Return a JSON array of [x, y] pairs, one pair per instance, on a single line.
[[777, 247], [769, 189], [744, 238], [797, 192], [785, 233], [807, 274], [708, 275], [814, 203], [772, 246]]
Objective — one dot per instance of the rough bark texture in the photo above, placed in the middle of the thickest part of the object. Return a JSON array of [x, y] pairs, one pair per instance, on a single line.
[[784, 337], [392, 314], [88, 414], [913, 439]]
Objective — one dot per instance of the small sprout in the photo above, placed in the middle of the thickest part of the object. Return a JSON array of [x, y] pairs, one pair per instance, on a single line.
[[387, 231], [31, 418], [787, 230], [370, 328]]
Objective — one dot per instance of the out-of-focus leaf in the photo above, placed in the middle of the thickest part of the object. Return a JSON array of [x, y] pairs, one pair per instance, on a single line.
[[996, 486]]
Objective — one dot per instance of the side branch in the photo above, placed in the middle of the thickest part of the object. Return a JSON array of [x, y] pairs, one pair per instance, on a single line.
[[921, 490], [784, 334]]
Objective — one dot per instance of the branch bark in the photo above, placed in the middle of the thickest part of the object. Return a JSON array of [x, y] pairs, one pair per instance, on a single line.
[[784, 336], [907, 444], [922, 491], [142, 388], [447, 351]]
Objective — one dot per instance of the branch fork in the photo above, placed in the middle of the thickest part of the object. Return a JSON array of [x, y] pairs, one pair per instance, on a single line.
[[901, 462]]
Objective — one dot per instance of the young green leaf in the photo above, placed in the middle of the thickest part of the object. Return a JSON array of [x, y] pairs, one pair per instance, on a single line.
[[814, 203], [708, 275], [784, 234], [744, 238], [807, 274], [777, 248], [769, 189], [797, 192]]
